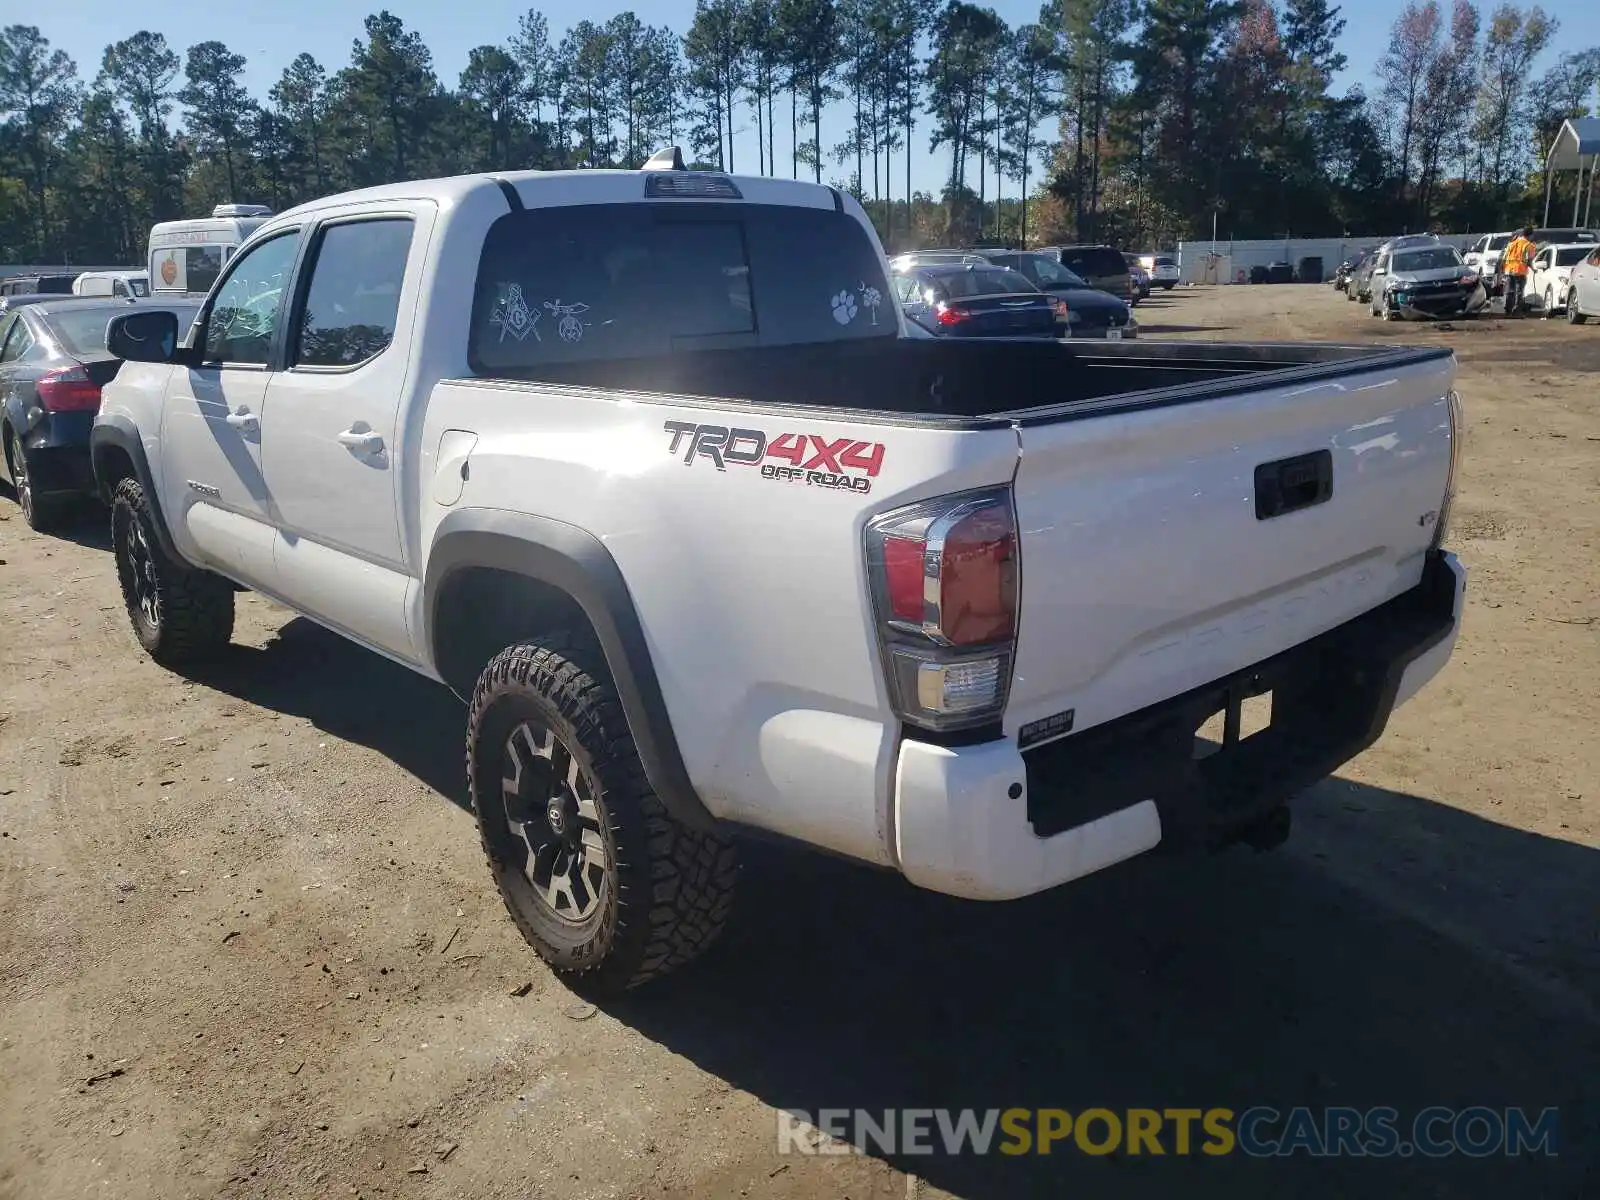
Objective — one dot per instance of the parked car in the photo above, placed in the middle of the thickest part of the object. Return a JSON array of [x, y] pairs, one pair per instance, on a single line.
[[37, 285], [698, 573], [1081, 310], [53, 364], [1347, 270], [928, 258], [112, 283], [1100, 266], [1549, 276], [974, 300], [1362, 284], [1163, 269], [1141, 278], [1488, 252], [1484, 256], [1583, 290], [1425, 282]]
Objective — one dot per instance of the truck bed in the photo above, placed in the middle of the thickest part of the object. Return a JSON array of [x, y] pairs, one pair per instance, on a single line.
[[1000, 379]]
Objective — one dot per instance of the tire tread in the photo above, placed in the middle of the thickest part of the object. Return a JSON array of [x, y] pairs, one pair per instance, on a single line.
[[687, 878], [197, 607]]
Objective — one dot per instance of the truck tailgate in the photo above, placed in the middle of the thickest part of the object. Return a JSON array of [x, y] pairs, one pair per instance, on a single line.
[[1168, 546]]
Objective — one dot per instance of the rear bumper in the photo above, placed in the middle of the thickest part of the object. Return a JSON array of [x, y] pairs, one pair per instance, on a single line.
[[57, 446], [988, 822], [1100, 332]]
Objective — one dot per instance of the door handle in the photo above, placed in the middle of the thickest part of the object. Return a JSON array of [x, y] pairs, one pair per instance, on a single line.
[[243, 419], [362, 441]]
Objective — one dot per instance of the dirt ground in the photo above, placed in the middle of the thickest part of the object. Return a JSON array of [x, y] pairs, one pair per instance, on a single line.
[[248, 947]]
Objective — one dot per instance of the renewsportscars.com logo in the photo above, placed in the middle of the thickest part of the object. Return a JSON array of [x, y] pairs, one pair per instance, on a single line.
[[1258, 1132], [847, 464]]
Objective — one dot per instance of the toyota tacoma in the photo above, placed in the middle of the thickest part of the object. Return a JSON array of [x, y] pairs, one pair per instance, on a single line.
[[649, 468]]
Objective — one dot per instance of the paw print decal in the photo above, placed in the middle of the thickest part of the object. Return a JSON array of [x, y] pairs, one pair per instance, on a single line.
[[844, 307]]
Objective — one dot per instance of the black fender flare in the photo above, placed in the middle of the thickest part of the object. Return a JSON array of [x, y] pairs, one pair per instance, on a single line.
[[116, 431], [575, 561]]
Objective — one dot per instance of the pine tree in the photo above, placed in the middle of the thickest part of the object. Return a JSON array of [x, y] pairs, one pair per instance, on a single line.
[[39, 93]]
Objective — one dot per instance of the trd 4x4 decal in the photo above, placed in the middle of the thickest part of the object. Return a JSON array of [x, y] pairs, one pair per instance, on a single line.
[[810, 458]]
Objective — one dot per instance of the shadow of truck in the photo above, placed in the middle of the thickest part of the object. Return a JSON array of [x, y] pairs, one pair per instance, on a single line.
[[1397, 952]]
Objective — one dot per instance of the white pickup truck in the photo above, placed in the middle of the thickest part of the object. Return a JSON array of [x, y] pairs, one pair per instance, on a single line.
[[648, 468]]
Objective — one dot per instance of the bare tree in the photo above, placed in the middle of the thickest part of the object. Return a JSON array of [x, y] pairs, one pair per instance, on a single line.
[[1503, 116], [1403, 76]]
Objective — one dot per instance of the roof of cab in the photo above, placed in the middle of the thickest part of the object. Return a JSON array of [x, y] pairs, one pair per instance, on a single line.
[[591, 186]]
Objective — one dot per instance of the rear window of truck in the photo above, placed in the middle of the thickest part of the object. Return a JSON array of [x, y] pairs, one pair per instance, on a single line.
[[571, 284]]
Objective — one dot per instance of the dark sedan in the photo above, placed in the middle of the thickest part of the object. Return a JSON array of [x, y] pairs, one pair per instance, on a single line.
[[1082, 311], [974, 300], [53, 363]]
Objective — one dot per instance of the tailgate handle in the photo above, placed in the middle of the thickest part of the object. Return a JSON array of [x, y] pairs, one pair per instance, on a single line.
[[1293, 483]]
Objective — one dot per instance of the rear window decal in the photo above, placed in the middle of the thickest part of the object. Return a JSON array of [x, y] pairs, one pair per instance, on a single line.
[[513, 316], [570, 329], [871, 297], [844, 307]]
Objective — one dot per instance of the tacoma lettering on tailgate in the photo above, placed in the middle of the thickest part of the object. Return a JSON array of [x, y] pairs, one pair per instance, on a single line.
[[810, 458]]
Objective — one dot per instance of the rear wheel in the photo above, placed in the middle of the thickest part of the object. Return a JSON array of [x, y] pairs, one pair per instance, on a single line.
[[42, 513], [178, 614], [602, 881], [1575, 316]]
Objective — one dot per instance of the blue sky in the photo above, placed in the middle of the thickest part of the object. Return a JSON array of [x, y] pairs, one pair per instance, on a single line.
[[271, 34]]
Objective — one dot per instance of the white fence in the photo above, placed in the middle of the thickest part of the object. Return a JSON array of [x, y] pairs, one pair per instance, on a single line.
[[1196, 264]]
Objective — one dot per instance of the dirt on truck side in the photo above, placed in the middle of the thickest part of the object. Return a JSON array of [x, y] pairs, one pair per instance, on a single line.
[[249, 949]]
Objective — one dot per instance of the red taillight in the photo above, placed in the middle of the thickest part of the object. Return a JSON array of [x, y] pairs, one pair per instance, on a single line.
[[903, 577], [944, 575], [977, 578], [952, 316], [68, 389]]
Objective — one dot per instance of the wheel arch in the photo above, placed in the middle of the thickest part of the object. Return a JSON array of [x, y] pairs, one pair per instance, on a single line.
[[494, 577], [117, 453]]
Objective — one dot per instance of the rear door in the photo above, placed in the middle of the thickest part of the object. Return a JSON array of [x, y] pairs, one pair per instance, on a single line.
[[1153, 558], [331, 434], [211, 431]]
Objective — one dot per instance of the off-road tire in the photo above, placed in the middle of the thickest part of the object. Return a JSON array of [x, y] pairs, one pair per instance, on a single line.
[[668, 888], [194, 609]]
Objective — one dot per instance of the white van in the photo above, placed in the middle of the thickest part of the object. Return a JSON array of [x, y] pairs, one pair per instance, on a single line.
[[112, 283], [187, 256]]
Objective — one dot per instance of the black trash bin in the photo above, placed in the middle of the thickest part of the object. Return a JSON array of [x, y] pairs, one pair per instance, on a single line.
[[1310, 270], [1280, 272], [1258, 274]]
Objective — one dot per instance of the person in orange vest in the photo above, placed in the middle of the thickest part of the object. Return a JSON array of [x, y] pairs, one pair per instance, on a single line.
[[1518, 258]]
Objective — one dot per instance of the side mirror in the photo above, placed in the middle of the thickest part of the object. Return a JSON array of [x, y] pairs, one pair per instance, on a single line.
[[143, 337]]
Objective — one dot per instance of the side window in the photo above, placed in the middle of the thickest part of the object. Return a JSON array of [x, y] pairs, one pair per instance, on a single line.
[[8, 323], [350, 308], [119, 288], [905, 286], [243, 317], [18, 342]]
